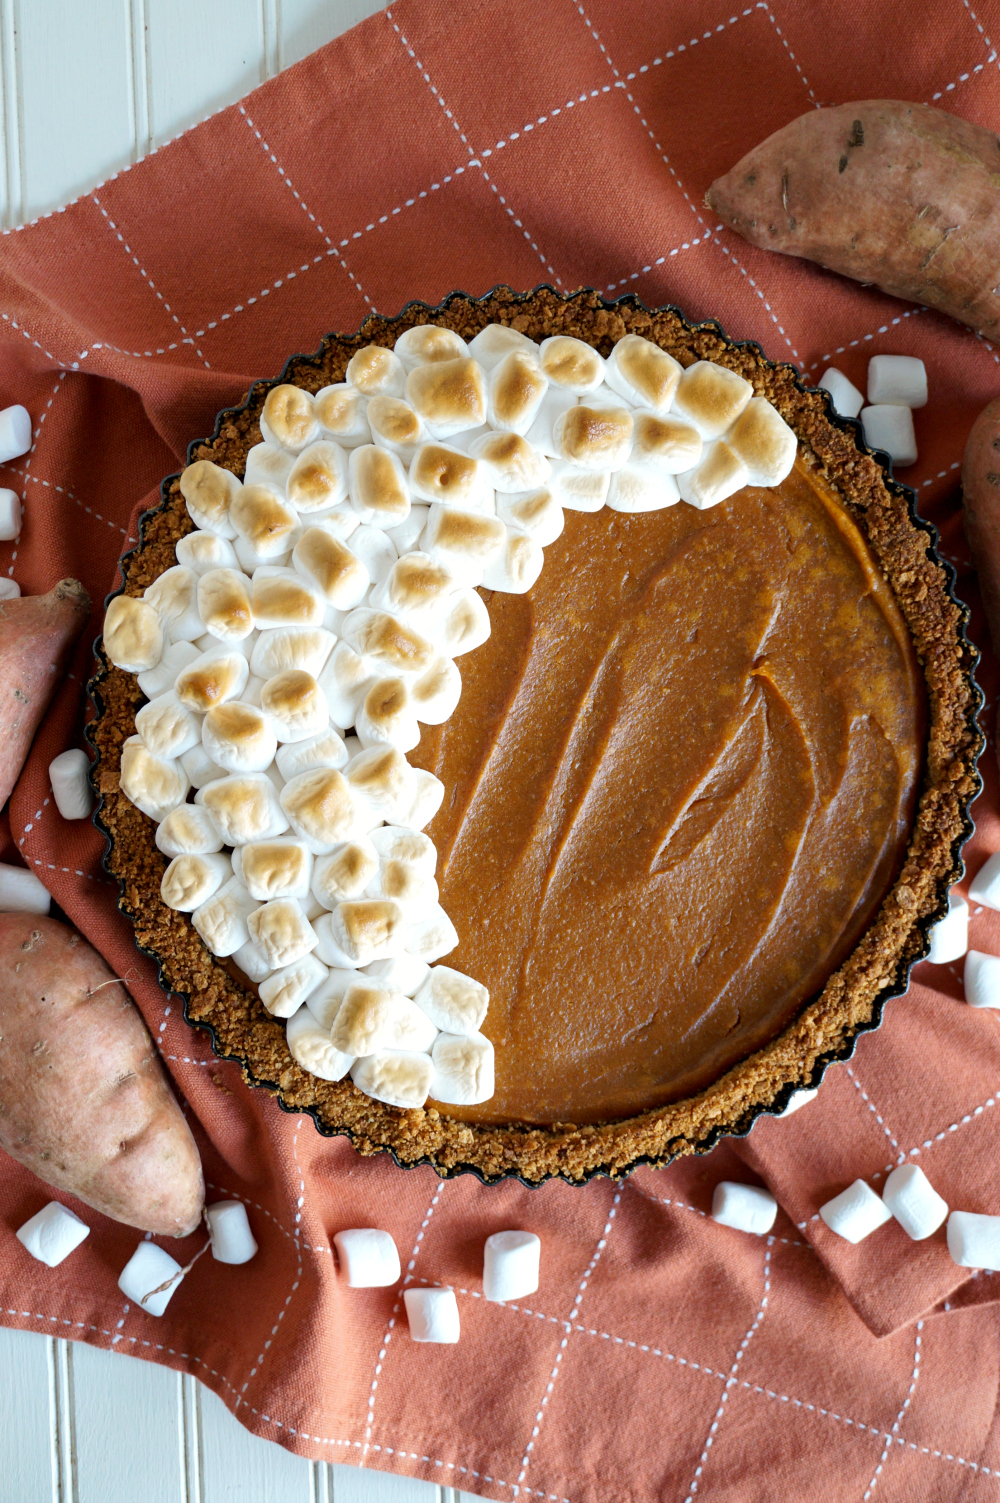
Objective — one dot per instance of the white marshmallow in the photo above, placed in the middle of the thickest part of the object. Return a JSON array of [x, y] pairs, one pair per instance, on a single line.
[[174, 598], [22, 892], [190, 881], [376, 372], [404, 537], [239, 737], [638, 490], [222, 921], [394, 843], [15, 433], [747, 1208], [449, 395], [148, 1268], [594, 438], [330, 567], [154, 784], [950, 935], [305, 647], [376, 551], [267, 528], [515, 390], [436, 693], [796, 1101], [224, 604], [281, 931], [285, 990], [465, 624], [317, 481], [209, 491], [11, 590], [404, 883], [429, 344], [510, 1265], [464, 541], [846, 398], [324, 1003], [345, 873], [440, 472], [985, 885], [269, 466], [70, 783], [378, 486], [288, 418], [167, 728], [433, 935], [497, 340], [202, 551], [397, 428], [856, 1212], [516, 568], [415, 591], [368, 1258], [642, 373], [359, 931], [891, 429], [711, 397], [897, 381], [536, 513], [399, 973], [371, 1019], [325, 749], [428, 795], [243, 807], [974, 1240], [577, 489], [387, 784], [176, 656], [433, 1315], [570, 364], [52, 1233], [395, 1077], [323, 809], [389, 645], [341, 521], [345, 681], [982, 979], [511, 464], [387, 716], [554, 405], [276, 869], [310, 1047], [720, 474], [133, 636], [199, 767], [463, 1069], [229, 1230], [341, 411], [188, 831], [295, 705], [251, 962], [10, 514], [914, 1202]]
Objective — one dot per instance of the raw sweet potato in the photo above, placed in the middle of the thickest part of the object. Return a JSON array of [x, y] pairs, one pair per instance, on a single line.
[[898, 194], [84, 1102], [37, 636]]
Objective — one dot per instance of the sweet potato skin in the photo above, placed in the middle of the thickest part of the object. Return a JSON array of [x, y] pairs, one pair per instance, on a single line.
[[84, 1102], [884, 191]]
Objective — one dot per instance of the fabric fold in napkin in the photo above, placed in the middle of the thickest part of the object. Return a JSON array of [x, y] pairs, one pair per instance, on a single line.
[[663, 1355]]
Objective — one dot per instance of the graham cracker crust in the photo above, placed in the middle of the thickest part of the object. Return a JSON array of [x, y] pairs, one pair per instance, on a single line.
[[827, 1026]]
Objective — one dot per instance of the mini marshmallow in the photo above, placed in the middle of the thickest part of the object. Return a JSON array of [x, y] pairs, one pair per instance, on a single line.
[[133, 636], [433, 1315], [268, 466], [331, 567], [465, 624], [399, 973], [21, 891], [376, 551], [322, 808], [341, 411], [396, 428], [433, 935], [368, 1258], [371, 1019], [212, 679], [345, 873], [10, 514], [176, 656], [415, 591], [982, 979], [570, 364], [950, 935], [436, 693], [536, 513], [914, 1202], [594, 438], [764, 442], [154, 784], [244, 807], [387, 716], [711, 397], [464, 541], [642, 373], [379, 492], [11, 590], [285, 989], [856, 1212], [429, 344], [515, 390], [238, 737], [405, 883], [174, 598], [426, 800], [188, 831], [985, 885], [362, 930], [202, 551], [276, 869], [266, 527], [281, 932], [664, 444], [317, 480], [897, 381], [638, 490], [541, 434], [796, 1101], [386, 782], [497, 340], [209, 491], [390, 646], [52, 1233], [376, 372], [251, 962], [974, 1240], [720, 475], [222, 921], [199, 767], [891, 429], [345, 681], [510, 1266], [167, 728], [15, 433], [288, 418], [295, 705], [846, 398], [325, 749], [577, 489], [225, 605], [305, 647], [404, 537], [511, 464], [310, 1047], [341, 521], [449, 395], [516, 568], [70, 783], [439, 472], [325, 1002], [463, 1069], [747, 1208], [229, 1231], [395, 1077], [148, 1268], [190, 881]]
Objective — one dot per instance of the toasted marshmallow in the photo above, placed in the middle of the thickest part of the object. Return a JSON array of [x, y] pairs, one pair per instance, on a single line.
[[594, 438], [516, 388], [376, 372], [187, 831], [305, 647], [370, 1018], [464, 541], [379, 493], [324, 1003], [325, 749], [239, 737], [511, 463], [268, 526], [295, 705], [454, 1003], [155, 785], [288, 418], [553, 405], [464, 625], [537, 513], [497, 340], [284, 597], [363, 930], [464, 1069], [396, 426], [281, 932], [176, 656], [345, 873], [167, 728], [430, 936], [429, 344], [449, 395], [243, 645], [133, 636], [642, 373], [276, 869], [440, 472], [251, 962], [416, 591], [199, 767], [252, 691], [711, 397], [515, 569], [398, 1078], [395, 843], [428, 795], [385, 782], [386, 716], [390, 646], [330, 566], [174, 598], [435, 694], [225, 605], [243, 807], [577, 489], [341, 521], [212, 679], [634, 489], [376, 551], [764, 442], [310, 1047], [341, 412], [664, 445], [404, 537], [720, 474], [323, 809], [268, 466], [222, 920], [414, 890], [400, 973], [209, 492], [571, 364], [345, 681], [318, 478], [285, 990], [202, 551], [190, 881]]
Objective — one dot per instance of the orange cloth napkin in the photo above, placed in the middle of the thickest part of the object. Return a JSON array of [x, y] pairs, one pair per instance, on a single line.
[[663, 1356]]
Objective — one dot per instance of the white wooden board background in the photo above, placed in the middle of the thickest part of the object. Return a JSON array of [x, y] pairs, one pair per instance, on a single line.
[[86, 86]]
